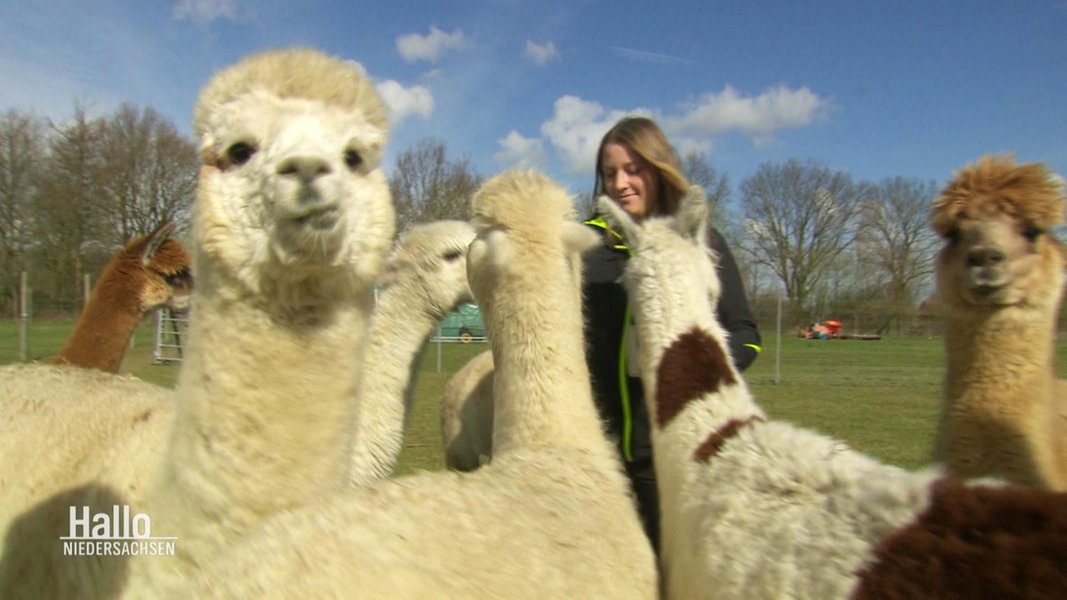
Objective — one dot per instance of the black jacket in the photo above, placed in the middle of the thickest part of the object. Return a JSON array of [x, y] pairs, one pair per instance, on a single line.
[[605, 310]]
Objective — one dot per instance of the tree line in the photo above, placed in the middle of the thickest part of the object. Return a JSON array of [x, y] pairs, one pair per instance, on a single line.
[[73, 192]]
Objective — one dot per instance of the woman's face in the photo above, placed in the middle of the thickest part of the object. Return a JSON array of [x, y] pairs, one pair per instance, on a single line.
[[628, 179]]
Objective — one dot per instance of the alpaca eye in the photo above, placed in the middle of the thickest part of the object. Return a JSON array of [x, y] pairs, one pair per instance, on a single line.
[[178, 278], [953, 236], [352, 159], [1032, 232], [452, 255], [240, 153]]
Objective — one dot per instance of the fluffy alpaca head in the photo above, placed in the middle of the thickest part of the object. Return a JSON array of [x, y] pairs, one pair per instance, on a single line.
[[995, 218], [292, 203], [435, 252], [299, 74], [667, 249], [520, 216], [996, 185], [525, 265], [158, 267]]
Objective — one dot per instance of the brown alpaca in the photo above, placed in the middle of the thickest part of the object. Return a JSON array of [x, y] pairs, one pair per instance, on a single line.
[[1000, 278], [152, 271]]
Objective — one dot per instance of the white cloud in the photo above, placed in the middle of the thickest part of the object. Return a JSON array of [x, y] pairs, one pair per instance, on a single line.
[[759, 117], [575, 129], [541, 54], [203, 12], [684, 145], [576, 126], [518, 152], [403, 102], [414, 47]]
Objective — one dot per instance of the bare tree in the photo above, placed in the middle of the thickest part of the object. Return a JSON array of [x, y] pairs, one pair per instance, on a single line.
[[149, 173], [21, 153], [699, 171], [716, 186], [106, 181], [66, 219], [799, 218], [895, 239], [426, 186]]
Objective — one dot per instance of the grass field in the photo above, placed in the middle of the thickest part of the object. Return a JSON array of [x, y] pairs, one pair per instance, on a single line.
[[879, 396]]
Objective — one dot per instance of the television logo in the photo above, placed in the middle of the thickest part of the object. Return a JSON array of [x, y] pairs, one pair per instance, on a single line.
[[121, 532]]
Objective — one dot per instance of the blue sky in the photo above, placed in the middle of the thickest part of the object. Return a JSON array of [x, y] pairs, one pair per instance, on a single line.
[[907, 88]]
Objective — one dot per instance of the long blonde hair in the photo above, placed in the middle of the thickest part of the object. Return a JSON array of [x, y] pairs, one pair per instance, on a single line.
[[644, 138]]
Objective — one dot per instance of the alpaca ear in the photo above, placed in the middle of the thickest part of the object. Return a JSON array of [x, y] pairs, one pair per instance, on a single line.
[[390, 270], [692, 215], [616, 217], [578, 237], [493, 246], [155, 241]]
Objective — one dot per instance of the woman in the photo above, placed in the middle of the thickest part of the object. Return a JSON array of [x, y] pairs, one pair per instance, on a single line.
[[637, 168]]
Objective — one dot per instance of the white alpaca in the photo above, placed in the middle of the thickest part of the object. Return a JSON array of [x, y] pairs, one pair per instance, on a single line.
[[467, 414], [755, 508], [551, 517], [59, 426], [111, 432], [1000, 281], [292, 222], [90, 418], [425, 278]]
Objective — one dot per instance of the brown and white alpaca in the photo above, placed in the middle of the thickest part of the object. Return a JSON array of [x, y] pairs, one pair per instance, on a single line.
[[150, 272], [425, 278], [756, 508], [550, 517], [1000, 279]]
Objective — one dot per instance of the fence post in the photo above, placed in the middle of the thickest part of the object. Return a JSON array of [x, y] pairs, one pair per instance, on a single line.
[[438, 348], [24, 317], [157, 352], [778, 346]]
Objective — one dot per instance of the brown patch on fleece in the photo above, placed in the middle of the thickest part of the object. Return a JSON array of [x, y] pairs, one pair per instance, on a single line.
[[692, 366], [718, 438], [999, 542]]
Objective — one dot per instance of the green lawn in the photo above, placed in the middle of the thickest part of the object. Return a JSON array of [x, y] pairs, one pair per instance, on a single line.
[[879, 396]]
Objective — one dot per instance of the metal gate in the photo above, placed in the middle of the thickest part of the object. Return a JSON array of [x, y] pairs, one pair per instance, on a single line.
[[172, 329]]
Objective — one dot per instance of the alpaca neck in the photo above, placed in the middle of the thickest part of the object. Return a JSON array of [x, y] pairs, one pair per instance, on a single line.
[[541, 386], [691, 386], [1004, 351], [266, 406], [999, 397], [103, 330], [395, 346]]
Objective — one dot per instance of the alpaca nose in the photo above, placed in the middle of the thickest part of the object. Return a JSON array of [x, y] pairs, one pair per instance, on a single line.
[[984, 257], [305, 168]]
